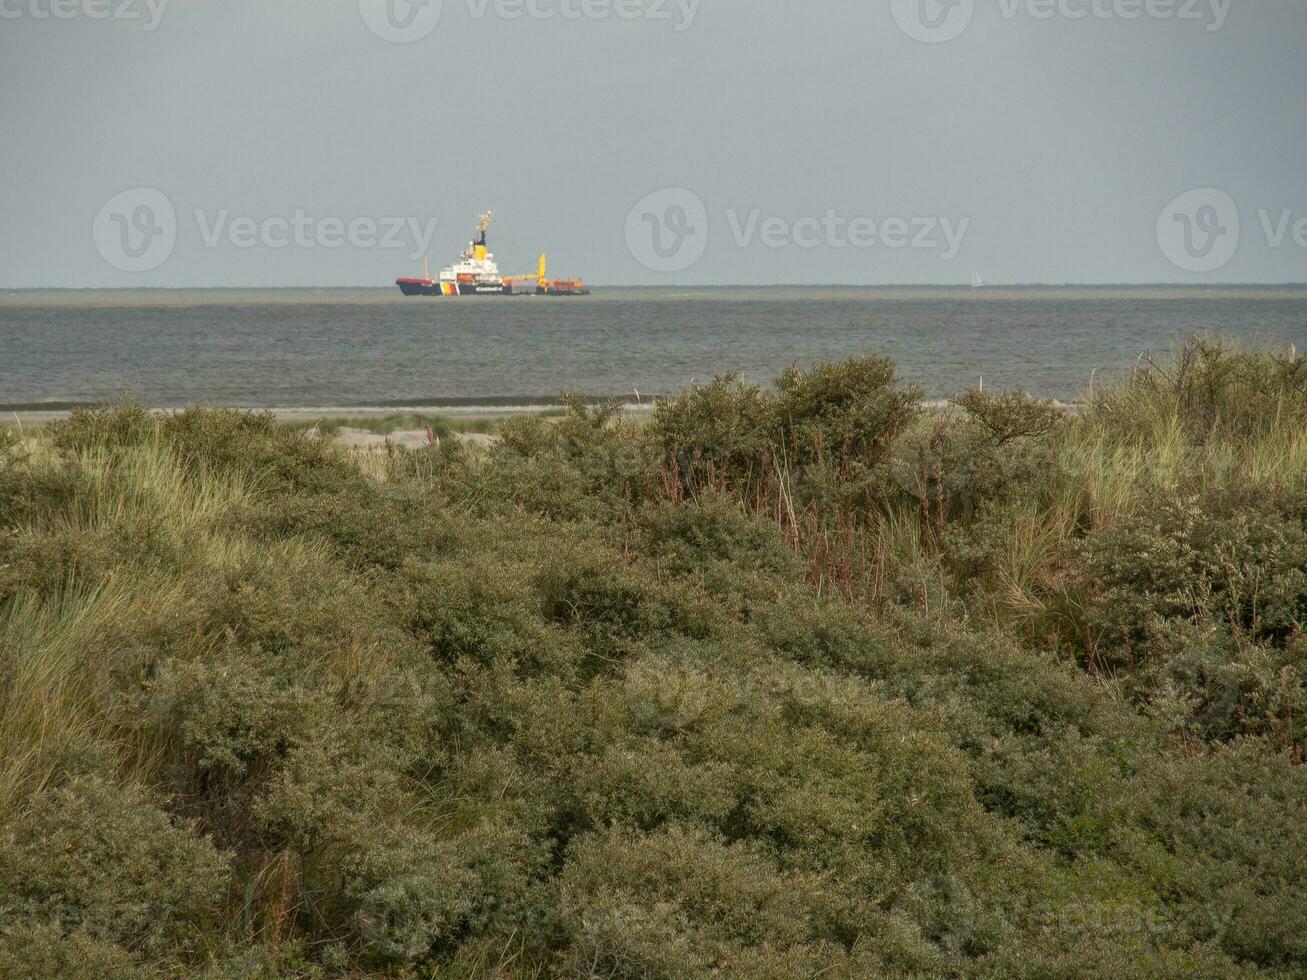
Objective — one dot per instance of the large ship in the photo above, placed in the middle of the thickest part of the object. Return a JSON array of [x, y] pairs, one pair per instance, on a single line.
[[477, 274]]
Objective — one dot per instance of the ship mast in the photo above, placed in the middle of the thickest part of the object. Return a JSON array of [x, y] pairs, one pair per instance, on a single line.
[[479, 248]]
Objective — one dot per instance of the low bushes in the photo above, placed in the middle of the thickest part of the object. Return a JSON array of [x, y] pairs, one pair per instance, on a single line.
[[840, 416], [1202, 608], [1211, 390], [782, 682], [101, 863]]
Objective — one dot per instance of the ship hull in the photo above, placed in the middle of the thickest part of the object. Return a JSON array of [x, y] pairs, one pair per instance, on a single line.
[[428, 287], [418, 287]]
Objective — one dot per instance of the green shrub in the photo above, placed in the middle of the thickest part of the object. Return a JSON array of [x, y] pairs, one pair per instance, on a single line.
[[842, 415], [369, 867], [585, 464], [233, 720], [1220, 811], [727, 426], [1009, 415], [99, 859], [1185, 560], [44, 563], [592, 591], [46, 950], [226, 440], [110, 427], [673, 904], [967, 471], [371, 527], [714, 539], [12, 476], [848, 412], [1202, 679], [648, 784]]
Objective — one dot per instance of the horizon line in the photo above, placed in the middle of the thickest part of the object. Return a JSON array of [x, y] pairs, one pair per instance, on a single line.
[[724, 285]]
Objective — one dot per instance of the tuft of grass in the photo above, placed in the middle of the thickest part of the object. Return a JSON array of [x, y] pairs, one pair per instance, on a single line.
[[57, 700]]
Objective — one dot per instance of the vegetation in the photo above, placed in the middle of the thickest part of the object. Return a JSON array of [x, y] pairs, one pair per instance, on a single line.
[[780, 682], [440, 426]]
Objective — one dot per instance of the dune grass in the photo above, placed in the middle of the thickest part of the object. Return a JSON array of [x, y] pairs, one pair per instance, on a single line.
[[794, 681]]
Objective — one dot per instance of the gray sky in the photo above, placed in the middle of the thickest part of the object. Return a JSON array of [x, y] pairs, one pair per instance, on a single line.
[[1035, 146]]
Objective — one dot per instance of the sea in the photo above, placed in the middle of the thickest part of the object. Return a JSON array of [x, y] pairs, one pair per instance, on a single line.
[[355, 349]]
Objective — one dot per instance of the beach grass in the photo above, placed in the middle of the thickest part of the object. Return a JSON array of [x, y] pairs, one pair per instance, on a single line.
[[788, 681]]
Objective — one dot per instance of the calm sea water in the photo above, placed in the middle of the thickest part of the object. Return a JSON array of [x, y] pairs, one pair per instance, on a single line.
[[355, 348]]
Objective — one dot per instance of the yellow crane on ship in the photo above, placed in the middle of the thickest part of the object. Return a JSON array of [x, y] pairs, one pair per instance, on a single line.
[[544, 286], [540, 275]]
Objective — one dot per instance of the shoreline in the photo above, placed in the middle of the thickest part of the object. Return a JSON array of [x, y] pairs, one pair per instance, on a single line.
[[298, 415], [24, 417]]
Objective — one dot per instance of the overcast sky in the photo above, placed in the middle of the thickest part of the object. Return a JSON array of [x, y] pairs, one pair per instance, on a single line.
[[894, 141]]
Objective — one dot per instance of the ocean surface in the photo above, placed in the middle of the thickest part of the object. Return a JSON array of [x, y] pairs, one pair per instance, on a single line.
[[374, 348]]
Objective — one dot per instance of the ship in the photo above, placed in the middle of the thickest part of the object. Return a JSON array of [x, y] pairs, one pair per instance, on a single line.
[[477, 274]]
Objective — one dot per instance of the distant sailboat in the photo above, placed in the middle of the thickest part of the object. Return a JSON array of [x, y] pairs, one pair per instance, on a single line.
[[976, 281]]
